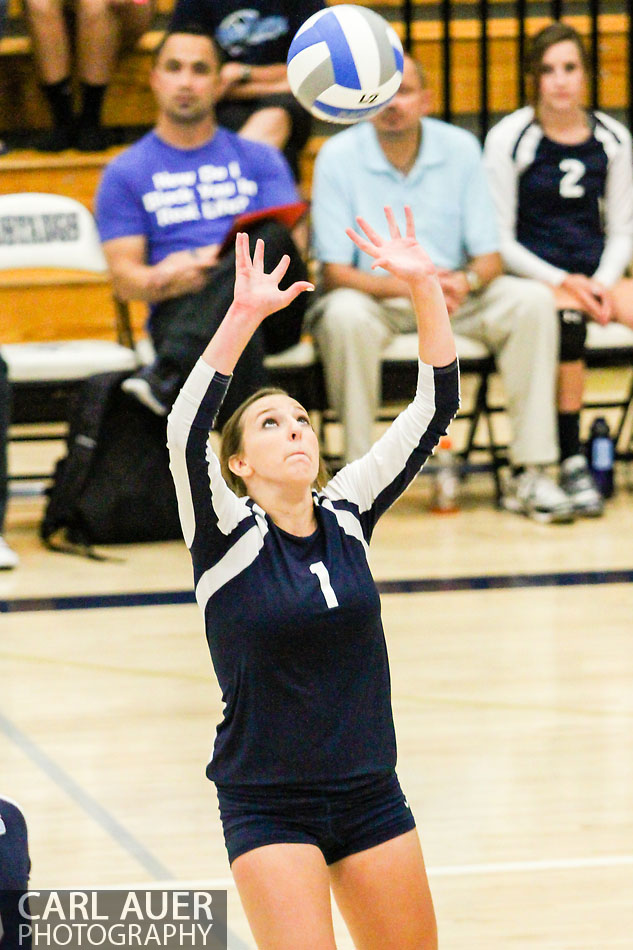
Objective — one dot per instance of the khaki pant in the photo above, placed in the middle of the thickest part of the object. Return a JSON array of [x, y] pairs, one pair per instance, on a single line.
[[515, 318]]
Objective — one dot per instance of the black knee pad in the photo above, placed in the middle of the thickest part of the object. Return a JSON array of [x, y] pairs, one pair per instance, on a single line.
[[573, 333]]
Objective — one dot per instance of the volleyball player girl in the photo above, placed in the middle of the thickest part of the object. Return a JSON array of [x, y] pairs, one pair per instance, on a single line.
[[304, 757], [562, 180]]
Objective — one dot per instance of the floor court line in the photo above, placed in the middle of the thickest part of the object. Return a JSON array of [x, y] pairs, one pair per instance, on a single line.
[[124, 838], [83, 799], [456, 870], [404, 586]]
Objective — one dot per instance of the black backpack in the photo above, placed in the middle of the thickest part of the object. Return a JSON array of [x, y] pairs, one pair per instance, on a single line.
[[114, 485]]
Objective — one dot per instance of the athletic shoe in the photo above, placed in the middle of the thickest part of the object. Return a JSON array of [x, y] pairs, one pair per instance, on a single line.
[[533, 494], [149, 389], [578, 484], [8, 557]]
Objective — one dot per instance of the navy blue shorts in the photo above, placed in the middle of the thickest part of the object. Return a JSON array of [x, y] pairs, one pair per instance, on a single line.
[[339, 820]]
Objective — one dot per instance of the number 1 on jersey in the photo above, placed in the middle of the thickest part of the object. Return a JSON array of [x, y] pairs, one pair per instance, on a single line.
[[322, 573]]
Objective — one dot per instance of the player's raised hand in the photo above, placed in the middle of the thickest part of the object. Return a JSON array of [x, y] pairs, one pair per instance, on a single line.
[[256, 290], [401, 256]]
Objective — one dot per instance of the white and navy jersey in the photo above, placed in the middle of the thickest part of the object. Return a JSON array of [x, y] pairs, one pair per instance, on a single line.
[[15, 867], [562, 208], [293, 624]]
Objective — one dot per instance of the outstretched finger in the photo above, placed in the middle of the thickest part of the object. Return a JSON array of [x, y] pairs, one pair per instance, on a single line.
[[242, 251], [258, 256], [288, 295], [362, 243], [408, 214], [373, 236], [394, 230], [281, 268]]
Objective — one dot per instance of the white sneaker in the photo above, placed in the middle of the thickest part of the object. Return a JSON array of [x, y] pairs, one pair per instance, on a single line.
[[578, 484], [141, 389], [8, 557], [534, 494]]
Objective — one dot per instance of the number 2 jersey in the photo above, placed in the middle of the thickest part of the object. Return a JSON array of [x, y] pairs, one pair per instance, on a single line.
[[562, 208], [293, 624]]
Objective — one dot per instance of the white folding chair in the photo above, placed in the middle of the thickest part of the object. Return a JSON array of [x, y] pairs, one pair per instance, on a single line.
[[48, 242], [612, 346]]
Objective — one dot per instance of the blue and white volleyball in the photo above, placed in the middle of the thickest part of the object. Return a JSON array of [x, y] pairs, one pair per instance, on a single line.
[[345, 64]]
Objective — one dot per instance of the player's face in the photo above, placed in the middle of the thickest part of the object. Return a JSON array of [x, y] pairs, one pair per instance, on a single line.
[[184, 78], [408, 106], [278, 442], [562, 78]]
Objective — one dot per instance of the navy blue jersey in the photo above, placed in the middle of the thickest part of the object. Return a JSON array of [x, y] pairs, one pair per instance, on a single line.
[[561, 195], [293, 624], [258, 32], [15, 866], [562, 208]]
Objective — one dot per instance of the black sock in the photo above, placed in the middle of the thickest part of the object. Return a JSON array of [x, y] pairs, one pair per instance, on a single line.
[[568, 434], [60, 99], [91, 102]]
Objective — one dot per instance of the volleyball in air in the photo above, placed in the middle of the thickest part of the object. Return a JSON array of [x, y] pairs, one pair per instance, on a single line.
[[345, 64]]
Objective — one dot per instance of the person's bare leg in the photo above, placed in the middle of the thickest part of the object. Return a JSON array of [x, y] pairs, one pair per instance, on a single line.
[[98, 39], [571, 383], [271, 125], [51, 51], [103, 30], [623, 301], [49, 35], [285, 892], [383, 894]]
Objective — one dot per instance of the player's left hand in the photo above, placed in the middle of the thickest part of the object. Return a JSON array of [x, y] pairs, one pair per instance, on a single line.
[[401, 256]]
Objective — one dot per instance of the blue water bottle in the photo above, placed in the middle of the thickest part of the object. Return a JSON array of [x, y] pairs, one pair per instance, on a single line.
[[600, 455]]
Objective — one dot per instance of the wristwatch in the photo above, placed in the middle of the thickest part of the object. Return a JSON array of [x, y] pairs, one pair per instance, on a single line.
[[247, 73], [474, 281]]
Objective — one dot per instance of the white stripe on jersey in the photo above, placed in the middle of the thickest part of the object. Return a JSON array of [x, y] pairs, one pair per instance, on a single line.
[[609, 132], [178, 466], [348, 522], [527, 146], [236, 559]]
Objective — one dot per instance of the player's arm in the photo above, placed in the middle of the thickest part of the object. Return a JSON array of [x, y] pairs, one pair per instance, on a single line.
[[241, 81], [618, 214], [182, 272], [457, 285], [376, 480]]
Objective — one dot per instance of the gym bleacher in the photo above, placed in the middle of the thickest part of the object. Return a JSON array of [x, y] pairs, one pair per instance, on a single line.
[[42, 306]]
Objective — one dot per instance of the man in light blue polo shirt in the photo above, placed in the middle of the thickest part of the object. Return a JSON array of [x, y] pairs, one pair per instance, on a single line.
[[403, 157]]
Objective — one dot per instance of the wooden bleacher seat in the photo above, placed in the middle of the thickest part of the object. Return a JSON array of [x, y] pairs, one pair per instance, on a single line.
[[129, 103]]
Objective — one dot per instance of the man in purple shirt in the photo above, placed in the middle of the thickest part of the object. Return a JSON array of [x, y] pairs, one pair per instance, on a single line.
[[254, 36], [166, 205]]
